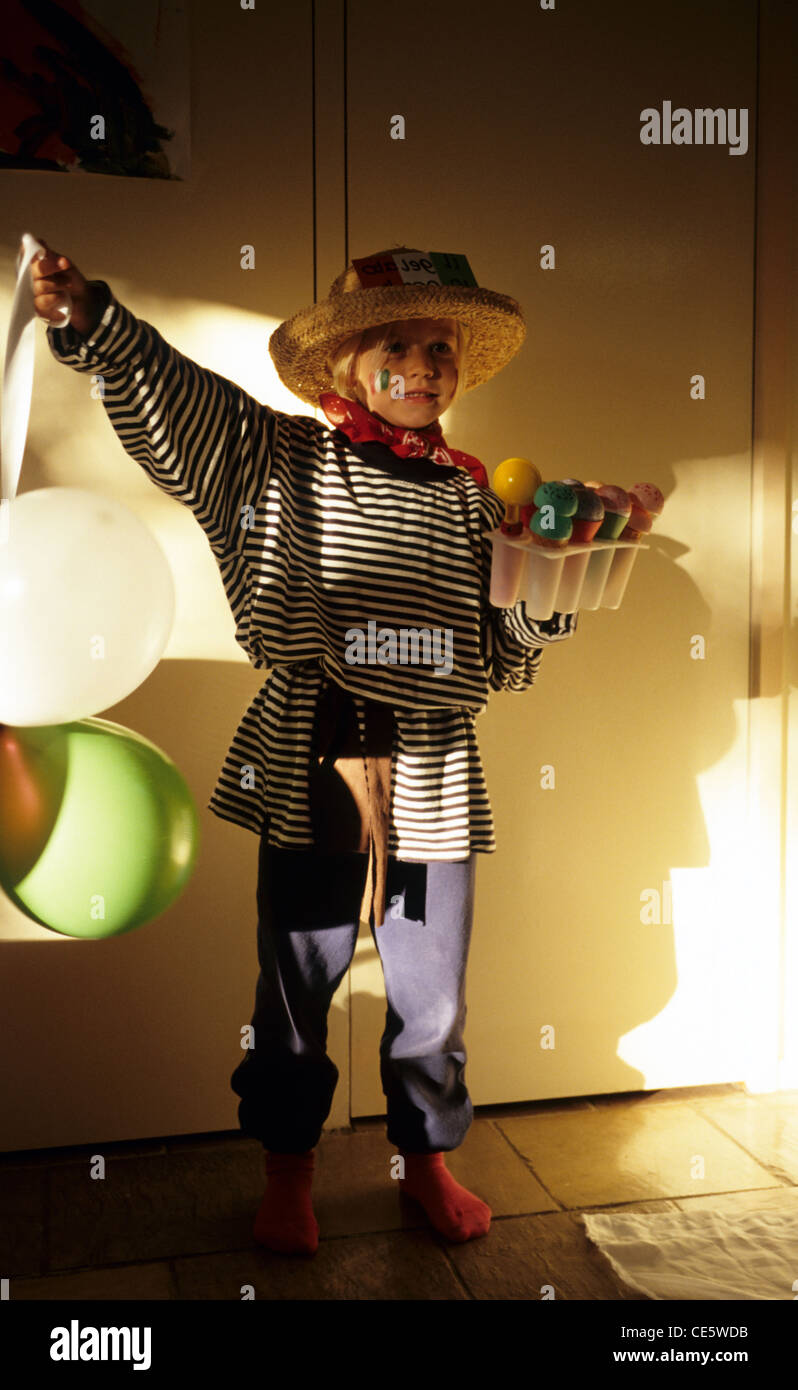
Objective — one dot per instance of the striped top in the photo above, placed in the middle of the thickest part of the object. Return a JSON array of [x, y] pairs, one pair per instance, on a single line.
[[339, 561]]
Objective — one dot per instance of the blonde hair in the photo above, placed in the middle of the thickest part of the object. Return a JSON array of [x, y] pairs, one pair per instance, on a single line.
[[374, 343]]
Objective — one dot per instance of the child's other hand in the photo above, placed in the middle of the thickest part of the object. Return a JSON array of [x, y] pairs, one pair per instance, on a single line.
[[51, 275]]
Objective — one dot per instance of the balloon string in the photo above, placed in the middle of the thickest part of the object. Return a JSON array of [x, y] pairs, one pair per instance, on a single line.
[[18, 376]]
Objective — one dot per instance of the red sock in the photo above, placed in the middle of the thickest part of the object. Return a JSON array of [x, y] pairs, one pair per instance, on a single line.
[[454, 1211], [285, 1221]]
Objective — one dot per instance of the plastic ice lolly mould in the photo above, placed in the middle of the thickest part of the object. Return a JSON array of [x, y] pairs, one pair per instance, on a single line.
[[594, 575]]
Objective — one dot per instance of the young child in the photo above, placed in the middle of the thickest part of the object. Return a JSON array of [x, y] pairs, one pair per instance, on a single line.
[[357, 765]]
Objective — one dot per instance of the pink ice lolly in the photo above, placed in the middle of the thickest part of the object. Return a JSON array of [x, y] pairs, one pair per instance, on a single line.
[[649, 497]]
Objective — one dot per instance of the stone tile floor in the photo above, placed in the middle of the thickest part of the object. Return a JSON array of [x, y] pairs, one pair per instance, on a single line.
[[172, 1218]]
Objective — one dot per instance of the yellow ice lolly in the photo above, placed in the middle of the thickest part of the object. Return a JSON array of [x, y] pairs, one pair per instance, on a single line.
[[516, 481]]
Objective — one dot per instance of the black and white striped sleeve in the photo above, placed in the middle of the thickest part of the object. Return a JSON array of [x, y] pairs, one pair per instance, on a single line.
[[197, 435]]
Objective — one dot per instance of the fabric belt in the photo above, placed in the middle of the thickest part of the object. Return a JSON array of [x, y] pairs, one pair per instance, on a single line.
[[349, 787]]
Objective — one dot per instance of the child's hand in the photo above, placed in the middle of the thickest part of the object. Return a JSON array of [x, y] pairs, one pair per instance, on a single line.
[[51, 275]]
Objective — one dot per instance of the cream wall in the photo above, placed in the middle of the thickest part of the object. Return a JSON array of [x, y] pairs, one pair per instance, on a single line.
[[526, 139], [138, 1036]]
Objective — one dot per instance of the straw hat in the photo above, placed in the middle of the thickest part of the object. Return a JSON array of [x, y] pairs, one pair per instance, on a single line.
[[302, 344]]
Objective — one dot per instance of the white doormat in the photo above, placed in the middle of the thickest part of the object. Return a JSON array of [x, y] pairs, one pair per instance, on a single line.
[[719, 1254]]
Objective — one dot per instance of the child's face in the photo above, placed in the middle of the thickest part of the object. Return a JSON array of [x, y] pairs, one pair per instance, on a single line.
[[421, 353]]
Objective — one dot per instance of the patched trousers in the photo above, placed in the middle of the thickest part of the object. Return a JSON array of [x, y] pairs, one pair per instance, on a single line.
[[308, 905]]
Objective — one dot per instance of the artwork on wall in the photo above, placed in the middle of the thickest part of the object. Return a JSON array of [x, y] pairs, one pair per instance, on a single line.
[[95, 87]]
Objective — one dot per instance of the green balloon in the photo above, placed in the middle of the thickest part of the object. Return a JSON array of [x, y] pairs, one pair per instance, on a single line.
[[106, 832]]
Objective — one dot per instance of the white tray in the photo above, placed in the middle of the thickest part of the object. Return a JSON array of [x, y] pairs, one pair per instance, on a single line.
[[591, 575]]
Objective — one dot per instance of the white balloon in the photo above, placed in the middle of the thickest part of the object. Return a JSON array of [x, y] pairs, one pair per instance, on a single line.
[[87, 603]]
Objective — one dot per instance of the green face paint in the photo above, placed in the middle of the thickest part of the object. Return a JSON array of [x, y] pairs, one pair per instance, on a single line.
[[382, 379]]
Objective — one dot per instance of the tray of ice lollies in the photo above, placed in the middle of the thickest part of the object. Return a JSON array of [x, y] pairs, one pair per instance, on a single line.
[[575, 545]]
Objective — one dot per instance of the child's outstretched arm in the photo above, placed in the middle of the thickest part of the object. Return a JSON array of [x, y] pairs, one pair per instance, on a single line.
[[197, 435]]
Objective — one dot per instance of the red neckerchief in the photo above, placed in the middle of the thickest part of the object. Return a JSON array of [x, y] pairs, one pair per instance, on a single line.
[[361, 426]]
